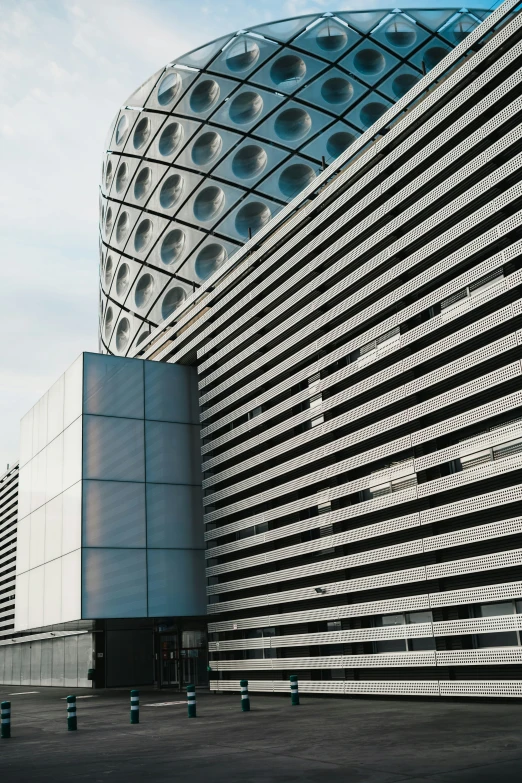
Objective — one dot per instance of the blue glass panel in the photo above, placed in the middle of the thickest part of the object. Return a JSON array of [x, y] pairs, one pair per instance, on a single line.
[[174, 516], [176, 582], [113, 386], [171, 393], [173, 453], [113, 514], [114, 583], [113, 449]]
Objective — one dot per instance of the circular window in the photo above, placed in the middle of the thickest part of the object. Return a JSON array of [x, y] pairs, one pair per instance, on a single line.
[[400, 35], [331, 38], [294, 178], [245, 108], [144, 290], [170, 138], [143, 235], [433, 56], [338, 143], [288, 69], [122, 279], [403, 84], [337, 90], [369, 62], [108, 220], [209, 203], [141, 133], [143, 336], [122, 226], [172, 300], [109, 321], [371, 112], [108, 174], [249, 161], [206, 148], [172, 246], [121, 128], [122, 334], [204, 95], [242, 56], [209, 260], [293, 124], [251, 218], [109, 266], [168, 88], [142, 183], [122, 175], [171, 190]]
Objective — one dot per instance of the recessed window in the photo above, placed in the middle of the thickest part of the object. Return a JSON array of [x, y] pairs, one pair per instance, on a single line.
[[172, 300], [108, 221], [371, 112], [142, 183], [122, 226], [141, 133], [245, 107], [109, 266], [171, 190], [400, 35], [122, 177], [121, 128], [144, 290], [204, 95], [168, 88], [209, 203], [433, 56], [251, 218], [122, 334], [108, 174], [172, 246], [287, 70], [206, 148], [294, 178], [339, 142], [209, 260], [109, 321], [143, 235], [242, 56], [403, 84], [249, 161], [337, 90], [122, 279], [293, 124], [369, 62], [331, 38], [170, 138]]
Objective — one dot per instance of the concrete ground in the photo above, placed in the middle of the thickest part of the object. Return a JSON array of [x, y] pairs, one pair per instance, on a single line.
[[323, 740]]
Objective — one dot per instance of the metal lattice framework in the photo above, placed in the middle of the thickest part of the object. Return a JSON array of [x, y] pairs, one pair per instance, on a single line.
[[211, 147]]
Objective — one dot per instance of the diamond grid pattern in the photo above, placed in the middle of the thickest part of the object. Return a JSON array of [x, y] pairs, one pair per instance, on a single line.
[[210, 147]]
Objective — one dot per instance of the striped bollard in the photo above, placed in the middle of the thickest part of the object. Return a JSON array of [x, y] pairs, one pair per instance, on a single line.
[[245, 698], [72, 724], [6, 719], [135, 707], [191, 701], [294, 690]]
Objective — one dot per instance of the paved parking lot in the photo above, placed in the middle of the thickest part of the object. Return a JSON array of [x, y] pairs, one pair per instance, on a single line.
[[326, 740]]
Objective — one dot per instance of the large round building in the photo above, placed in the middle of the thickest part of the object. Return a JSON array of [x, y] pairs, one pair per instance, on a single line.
[[214, 144]]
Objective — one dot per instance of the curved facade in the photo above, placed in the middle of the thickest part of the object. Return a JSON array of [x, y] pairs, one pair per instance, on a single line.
[[208, 149]]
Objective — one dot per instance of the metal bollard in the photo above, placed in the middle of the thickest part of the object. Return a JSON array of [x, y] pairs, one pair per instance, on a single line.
[[245, 698], [6, 719], [191, 700], [135, 707], [72, 724], [294, 690]]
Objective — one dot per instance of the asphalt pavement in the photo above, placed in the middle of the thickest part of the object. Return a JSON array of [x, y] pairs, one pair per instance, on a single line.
[[321, 741]]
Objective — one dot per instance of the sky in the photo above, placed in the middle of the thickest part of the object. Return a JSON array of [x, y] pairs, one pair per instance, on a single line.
[[65, 68]]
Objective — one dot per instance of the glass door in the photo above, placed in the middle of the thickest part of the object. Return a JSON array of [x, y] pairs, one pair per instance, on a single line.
[[169, 664]]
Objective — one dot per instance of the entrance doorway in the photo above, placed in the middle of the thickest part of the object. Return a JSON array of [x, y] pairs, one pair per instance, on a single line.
[[182, 658]]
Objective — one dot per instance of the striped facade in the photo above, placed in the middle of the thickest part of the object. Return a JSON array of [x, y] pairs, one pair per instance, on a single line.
[[361, 405], [8, 531]]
